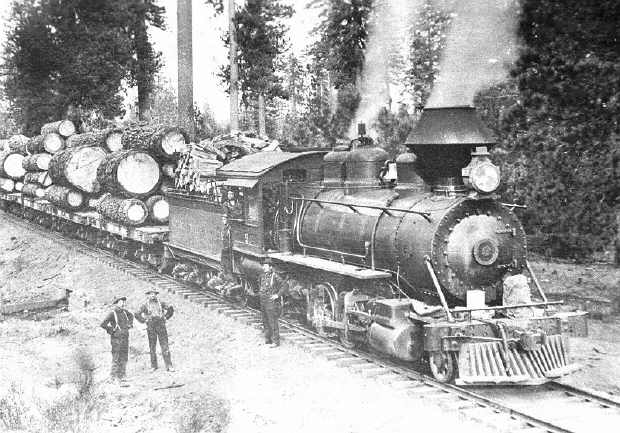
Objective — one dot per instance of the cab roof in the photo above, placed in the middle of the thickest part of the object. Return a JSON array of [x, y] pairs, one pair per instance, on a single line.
[[257, 164]]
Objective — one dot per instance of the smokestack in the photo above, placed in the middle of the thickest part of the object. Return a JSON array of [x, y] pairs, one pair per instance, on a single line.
[[185, 92]]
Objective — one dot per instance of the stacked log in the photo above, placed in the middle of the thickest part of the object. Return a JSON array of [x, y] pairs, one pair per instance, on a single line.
[[19, 186], [37, 162], [128, 211], [33, 190], [41, 178], [108, 139], [11, 165], [129, 173], [64, 197], [53, 143], [17, 143], [163, 142], [64, 128], [34, 145], [158, 208], [7, 185], [77, 168]]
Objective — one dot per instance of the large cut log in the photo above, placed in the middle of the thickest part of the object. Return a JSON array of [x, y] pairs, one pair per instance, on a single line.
[[163, 142], [53, 143], [37, 162], [7, 185], [65, 128], [33, 190], [64, 197], [17, 143], [129, 173], [109, 139], [77, 167], [39, 177], [127, 211], [11, 165], [159, 210]]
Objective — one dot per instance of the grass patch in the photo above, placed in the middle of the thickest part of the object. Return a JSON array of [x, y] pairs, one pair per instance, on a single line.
[[206, 413], [13, 408]]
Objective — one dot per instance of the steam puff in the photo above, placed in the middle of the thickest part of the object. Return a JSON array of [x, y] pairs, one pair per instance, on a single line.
[[481, 45], [387, 37]]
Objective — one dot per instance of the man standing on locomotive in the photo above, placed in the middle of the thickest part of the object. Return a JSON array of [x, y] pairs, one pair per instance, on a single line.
[[117, 324], [155, 313], [271, 288]]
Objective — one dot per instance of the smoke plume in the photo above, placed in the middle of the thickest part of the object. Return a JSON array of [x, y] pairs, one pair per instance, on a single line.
[[387, 42], [481, 45]]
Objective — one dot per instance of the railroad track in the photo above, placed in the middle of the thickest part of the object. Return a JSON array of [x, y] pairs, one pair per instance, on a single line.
[[554, 407]]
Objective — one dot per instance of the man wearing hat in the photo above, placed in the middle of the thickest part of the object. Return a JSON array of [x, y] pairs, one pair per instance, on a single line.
[[117, 324], [270, 289], [155, 313]]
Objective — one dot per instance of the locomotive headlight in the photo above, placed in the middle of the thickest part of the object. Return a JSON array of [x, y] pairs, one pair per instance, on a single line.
[[485, 177]]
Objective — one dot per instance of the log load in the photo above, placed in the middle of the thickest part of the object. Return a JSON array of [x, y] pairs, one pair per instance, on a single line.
[[77, 168], [127, 211], [18, 143], [108, 139], [158, 208], [129, 173], [41, 178], [37, 162], [19, 186], [64, 128], [11, 165], [94, 201], [33, 190], [64, 197], [163, 142], [53, 143], [34, 145], [7, 185]]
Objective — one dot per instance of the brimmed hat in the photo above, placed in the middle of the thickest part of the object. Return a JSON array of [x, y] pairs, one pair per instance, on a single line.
[[119, 298], [148, 292]]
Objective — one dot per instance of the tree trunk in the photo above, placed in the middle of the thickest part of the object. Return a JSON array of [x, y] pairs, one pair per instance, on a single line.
[[64, 128], [33, 190], [41, 178], [129, 173], [234, 68], [11, 165], [18, 143], [7, 185], [159, 211], [262, 129], [128, 211], [77, 168], [165, 143], [37, 162], [53, 143], [108, 139], [64, 197], [185, 87]]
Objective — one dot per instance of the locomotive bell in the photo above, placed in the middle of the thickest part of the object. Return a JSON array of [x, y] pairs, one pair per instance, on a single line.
[[443, 140]]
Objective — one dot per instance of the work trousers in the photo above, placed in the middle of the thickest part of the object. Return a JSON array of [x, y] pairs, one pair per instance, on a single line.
[[120, 350], [156, 330], [270, 311]]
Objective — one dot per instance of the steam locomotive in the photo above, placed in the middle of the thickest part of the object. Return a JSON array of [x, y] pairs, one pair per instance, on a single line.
[[426, 266]]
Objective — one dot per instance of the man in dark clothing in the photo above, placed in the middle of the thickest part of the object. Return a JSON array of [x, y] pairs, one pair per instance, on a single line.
[[155, 314], [117, 324], [270, 289]]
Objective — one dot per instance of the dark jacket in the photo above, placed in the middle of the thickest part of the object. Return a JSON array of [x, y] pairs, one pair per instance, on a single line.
[[270, 284], [152, 311], [118, 318]]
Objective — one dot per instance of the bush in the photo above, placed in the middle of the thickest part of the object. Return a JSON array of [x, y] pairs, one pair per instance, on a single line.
[[207, 413], [13, 408]]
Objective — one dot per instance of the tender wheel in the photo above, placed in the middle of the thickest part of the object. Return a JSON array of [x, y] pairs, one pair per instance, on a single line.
[[443, 366]]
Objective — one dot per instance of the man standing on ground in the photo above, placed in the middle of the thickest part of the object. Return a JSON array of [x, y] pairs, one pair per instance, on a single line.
[[155, 313], [117, 324], [271, 287]]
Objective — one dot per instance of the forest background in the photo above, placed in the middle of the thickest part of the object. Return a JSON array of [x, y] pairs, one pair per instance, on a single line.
[[555, 112]]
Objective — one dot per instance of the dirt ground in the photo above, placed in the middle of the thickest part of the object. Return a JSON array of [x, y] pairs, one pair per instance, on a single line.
[[226, 379]]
